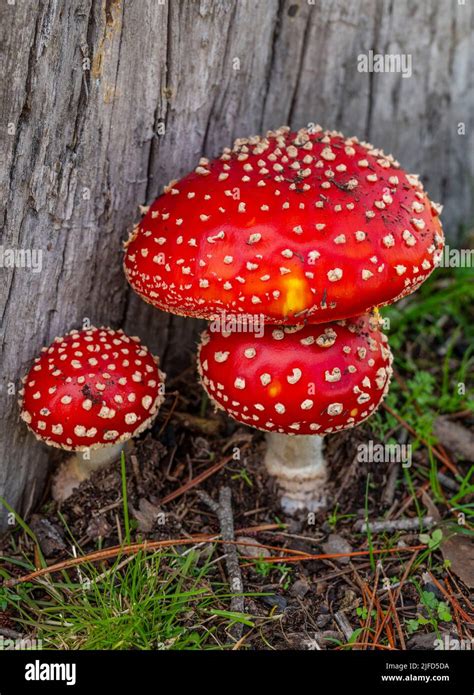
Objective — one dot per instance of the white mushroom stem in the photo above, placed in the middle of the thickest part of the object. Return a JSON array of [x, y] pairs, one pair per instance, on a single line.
[[80, 465], [91, 460], [298, 464]]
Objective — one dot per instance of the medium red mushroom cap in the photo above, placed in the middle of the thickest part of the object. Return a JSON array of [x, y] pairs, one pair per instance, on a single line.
[[91, 388], [303, 380], [292, 226]]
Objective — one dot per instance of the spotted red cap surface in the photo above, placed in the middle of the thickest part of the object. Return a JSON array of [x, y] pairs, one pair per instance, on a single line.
[[303, 380], [91, 388], [292, 226]]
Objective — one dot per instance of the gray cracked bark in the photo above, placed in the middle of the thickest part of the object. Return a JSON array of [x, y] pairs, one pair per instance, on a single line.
[[88, 89]]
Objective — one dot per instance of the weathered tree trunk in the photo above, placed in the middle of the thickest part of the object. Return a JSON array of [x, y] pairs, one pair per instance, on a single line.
[[103, 102]]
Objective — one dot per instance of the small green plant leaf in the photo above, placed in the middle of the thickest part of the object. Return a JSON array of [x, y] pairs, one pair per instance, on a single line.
[[355, 635], [412, 626], [444, 613], [429, 599]]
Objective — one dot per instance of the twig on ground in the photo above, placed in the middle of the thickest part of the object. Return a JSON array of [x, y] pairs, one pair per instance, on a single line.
[[341, 573], [198, 479], [444, 459], [394, 525], [145, 546], [133, 548], [372, 645], [10, 634], [447, 482], [372, 595], [175, 395], [451, 599], [460, 592], [223, 510], [394, 613], [200, 424], [389, 492], [330, 556], [343, 624], [398, 592]]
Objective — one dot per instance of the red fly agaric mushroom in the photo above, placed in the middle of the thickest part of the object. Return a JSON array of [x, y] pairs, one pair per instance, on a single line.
[[286, 226], [305, 381], [89, 392]]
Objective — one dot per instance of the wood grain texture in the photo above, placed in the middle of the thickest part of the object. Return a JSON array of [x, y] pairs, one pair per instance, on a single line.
[[81, 149]]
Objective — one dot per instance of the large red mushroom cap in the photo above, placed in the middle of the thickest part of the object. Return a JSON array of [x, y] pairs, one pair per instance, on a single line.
[[291, 226], [303, 380], [91, 388]]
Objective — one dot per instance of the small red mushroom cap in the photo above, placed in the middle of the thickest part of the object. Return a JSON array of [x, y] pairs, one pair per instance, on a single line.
[[293, 226], [91, 388], [303, 380]]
